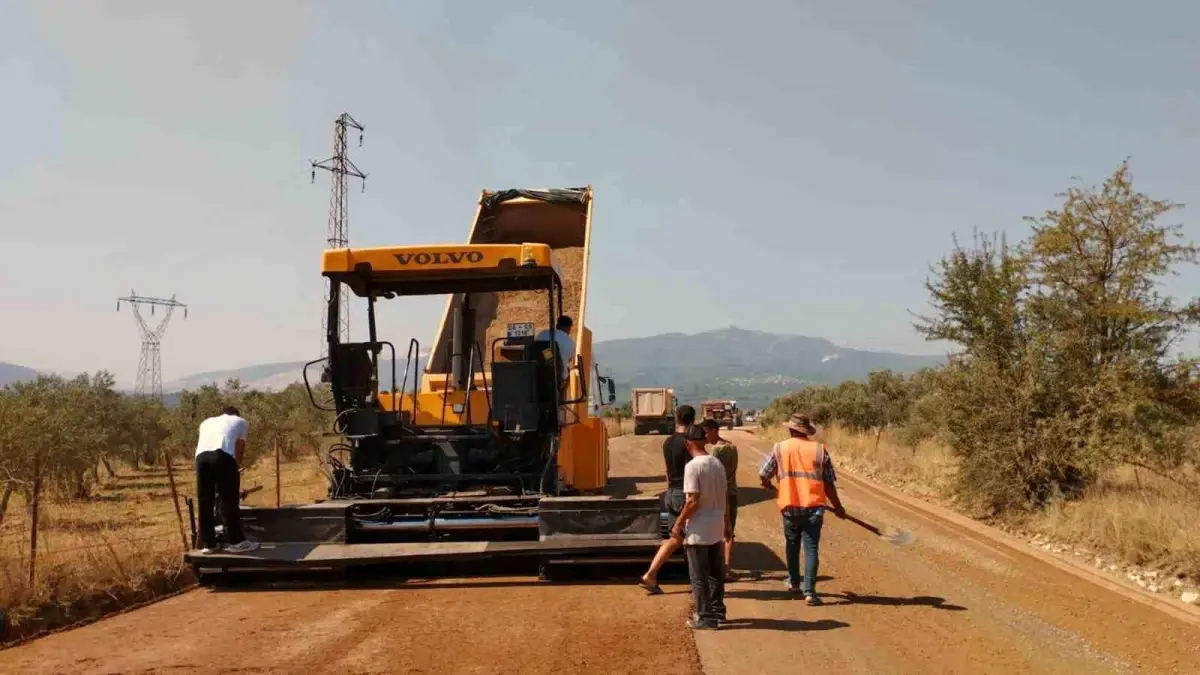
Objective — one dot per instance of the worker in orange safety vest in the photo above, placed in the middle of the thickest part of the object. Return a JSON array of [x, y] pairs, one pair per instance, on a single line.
[[806, 488]]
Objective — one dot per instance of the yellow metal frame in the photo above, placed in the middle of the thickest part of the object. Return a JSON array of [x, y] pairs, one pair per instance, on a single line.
[[398, 264], [583, 450]]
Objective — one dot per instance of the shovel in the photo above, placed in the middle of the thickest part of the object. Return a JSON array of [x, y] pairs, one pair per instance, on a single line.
[[894, 536]]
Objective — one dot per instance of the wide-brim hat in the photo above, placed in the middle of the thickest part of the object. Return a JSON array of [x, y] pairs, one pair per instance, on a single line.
[[800, 423]]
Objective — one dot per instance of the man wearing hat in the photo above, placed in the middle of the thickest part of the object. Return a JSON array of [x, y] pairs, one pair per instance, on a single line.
[[806, 488]]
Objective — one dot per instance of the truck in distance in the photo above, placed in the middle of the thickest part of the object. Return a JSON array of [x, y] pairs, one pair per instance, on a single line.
[[653, 410], [725, 412]]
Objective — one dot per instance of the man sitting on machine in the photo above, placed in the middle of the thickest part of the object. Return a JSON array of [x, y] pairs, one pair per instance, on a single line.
[[562, 336]]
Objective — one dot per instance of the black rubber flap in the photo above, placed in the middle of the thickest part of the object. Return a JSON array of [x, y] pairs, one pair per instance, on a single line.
[[559, 195], [306, 523], [603, 515]]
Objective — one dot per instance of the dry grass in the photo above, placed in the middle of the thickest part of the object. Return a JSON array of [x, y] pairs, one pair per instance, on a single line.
[[123, 546], [1135, 516], [618, 427], [119, 547], [927, 470], [1144, 519]]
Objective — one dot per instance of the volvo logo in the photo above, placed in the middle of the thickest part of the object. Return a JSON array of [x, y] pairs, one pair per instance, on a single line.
[[439, 258]]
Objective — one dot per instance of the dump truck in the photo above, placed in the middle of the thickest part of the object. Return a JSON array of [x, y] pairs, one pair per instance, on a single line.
[[725, 412], [653, 410], [490, 450]]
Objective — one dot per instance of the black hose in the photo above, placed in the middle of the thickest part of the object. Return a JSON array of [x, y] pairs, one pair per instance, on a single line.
[[549, 465]]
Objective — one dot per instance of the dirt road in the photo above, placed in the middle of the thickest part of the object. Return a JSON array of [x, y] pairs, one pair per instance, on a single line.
[[955, 601]]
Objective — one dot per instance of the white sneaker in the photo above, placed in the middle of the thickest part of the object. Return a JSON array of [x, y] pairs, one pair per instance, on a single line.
[[245, 546]]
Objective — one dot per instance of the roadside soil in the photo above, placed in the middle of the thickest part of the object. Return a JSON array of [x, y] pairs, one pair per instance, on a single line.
[[510, 624], [957, 600]]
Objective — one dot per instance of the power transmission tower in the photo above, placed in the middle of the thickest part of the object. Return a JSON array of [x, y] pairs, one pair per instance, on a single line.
[[149, 377], [339, 166]]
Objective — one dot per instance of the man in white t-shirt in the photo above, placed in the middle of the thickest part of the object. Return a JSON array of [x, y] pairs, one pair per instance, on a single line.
[[219, 452], [561, 335], [704, 526]]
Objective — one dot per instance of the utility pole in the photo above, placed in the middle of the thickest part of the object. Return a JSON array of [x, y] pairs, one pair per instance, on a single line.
[[339, 166], [149, 377]]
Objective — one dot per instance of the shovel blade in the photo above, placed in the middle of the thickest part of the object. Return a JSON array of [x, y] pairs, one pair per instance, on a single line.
[[899, 537]]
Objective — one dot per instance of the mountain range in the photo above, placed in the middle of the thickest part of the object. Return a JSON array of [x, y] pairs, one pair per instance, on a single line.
[[751, 367]]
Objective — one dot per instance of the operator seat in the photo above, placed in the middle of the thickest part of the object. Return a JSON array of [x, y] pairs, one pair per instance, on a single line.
[[523, 386]]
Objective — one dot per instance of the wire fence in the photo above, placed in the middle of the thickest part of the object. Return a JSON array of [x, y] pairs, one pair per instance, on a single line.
[[141, 523]]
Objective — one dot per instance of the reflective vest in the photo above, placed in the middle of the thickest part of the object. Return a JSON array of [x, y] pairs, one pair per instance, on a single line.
[[800, 470]]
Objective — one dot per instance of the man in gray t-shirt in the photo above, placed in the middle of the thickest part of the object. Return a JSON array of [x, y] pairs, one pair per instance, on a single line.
[[704, 526]]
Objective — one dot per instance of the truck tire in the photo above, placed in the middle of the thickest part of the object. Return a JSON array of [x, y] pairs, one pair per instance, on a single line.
[[639, 429]]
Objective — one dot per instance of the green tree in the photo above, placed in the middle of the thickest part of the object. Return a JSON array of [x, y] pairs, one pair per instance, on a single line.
[[1064, 369]]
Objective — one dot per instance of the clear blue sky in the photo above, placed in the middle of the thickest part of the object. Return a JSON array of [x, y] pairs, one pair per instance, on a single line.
[[786, 169]]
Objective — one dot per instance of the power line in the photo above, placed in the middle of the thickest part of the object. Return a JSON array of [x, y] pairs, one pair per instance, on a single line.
[[149, 377], [339, 166]]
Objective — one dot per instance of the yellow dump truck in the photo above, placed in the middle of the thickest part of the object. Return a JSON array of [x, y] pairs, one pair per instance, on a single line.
[[653, 410], [491, 449]]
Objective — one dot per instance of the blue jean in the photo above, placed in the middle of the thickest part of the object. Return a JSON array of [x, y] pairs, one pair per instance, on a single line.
[[802, 528]]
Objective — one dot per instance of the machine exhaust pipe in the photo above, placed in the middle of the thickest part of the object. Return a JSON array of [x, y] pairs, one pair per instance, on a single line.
[[451, 524], [397, 526], [508, 522]]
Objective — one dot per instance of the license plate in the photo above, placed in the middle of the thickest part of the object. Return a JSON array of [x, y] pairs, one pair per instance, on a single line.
[[519, 330]]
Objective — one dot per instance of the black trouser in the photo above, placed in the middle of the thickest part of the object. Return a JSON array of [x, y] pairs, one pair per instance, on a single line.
[[673, 501], [706, 567], [217, 472]]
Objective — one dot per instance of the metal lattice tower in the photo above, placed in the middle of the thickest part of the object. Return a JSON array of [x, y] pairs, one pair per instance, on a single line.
[[339, 166], [149, 377]]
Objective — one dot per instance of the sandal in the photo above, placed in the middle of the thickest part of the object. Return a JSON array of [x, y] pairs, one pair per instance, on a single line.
[[652, 589]]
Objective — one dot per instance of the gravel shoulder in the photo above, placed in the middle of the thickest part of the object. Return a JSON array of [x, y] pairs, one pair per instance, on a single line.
[[960, 599]]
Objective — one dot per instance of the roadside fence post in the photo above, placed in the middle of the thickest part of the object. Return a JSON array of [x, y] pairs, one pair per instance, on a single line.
[[166, 452], [278, 490], [33, 519]]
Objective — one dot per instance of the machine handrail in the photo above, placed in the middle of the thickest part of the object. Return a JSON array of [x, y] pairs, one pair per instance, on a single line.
[[470, 383], [413, 344], [446, 387], [375, 350], [583, 388], [477, 351], [308, 387]]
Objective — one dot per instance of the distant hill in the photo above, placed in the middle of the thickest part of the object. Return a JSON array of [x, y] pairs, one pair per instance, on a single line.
[[11, 373], [272, 376], [751, 367]]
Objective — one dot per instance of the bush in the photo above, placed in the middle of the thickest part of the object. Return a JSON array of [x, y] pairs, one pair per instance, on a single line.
[[1063, 368]]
